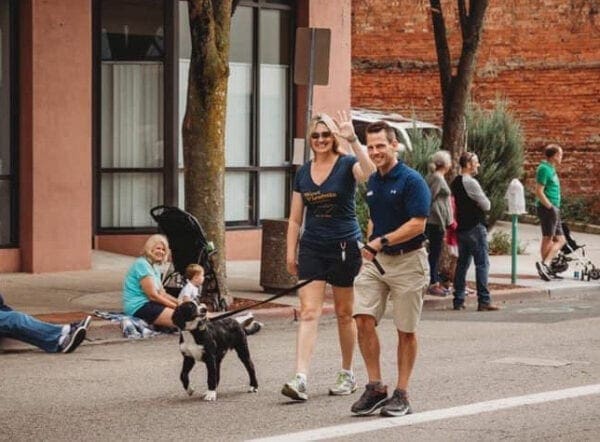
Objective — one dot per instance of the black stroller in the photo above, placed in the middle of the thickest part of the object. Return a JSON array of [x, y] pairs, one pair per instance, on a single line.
[[188, 246], [574, 253]]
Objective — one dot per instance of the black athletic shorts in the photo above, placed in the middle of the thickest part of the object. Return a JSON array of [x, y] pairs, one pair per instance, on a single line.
[[149, 311], [324, 260], [550, 221]]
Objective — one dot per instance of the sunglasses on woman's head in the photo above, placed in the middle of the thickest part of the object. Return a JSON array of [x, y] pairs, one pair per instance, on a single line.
[[317, 135]]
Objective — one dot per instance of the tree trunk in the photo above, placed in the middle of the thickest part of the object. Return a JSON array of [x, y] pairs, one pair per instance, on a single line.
[[456, 88], [204, 123]]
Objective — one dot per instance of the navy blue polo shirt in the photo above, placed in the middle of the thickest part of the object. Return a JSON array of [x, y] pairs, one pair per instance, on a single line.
[[395, 198]]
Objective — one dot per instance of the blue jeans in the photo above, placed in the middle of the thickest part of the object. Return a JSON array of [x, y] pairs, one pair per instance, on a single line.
[[20, 326], [435, 235], [472, 244]]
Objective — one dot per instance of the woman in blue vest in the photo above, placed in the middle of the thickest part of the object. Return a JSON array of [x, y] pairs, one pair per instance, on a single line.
[[327, 247]]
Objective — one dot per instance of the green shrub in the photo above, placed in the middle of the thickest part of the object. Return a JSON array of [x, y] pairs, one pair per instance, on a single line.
[[530, 202], [576, 208], [424, 146], [572, 208], [497, 139], [362, 209], [501, 244]]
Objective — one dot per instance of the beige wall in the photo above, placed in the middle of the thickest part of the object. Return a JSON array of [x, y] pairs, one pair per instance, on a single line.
[[239, 244], [335, 15], [55, 185]]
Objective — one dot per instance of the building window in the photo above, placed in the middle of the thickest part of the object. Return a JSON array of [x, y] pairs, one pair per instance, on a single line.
[[257, 135], [130, 163], [8, 126]]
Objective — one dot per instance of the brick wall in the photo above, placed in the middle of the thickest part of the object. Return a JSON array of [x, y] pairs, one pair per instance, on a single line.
[[542, 55]]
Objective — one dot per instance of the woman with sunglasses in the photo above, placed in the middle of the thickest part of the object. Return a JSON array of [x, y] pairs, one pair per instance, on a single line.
[[327, 249]]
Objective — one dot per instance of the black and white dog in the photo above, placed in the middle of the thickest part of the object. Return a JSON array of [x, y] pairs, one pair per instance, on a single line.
[[208, 341]]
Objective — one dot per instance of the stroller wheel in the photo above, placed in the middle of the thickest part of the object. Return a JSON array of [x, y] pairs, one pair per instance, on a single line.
[[559, 265], [594, 273]]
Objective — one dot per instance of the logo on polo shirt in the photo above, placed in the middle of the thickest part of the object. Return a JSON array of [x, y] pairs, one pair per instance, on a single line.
[[393, 191]]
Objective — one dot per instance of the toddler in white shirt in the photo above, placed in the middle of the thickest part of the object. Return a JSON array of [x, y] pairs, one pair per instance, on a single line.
[[194, 274]]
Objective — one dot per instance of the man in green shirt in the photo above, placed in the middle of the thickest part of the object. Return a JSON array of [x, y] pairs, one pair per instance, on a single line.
[[547, 191]]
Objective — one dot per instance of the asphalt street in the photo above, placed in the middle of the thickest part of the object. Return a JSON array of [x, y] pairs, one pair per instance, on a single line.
[[468, 361]]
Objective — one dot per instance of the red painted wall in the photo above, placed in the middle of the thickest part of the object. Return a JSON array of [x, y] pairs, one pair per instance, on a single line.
[[55, 184], [542, 55]]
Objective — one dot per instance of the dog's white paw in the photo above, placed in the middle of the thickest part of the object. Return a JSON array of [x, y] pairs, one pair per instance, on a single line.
[[210, 395], [190, 391], [252, 389]]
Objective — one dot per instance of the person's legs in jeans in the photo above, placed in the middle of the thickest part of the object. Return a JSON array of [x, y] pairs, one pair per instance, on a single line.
[[462, 265], [436, 236], [20, 326], [482, 263]]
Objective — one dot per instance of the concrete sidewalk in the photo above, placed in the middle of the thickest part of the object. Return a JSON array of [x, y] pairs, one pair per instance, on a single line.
[[68, 296]]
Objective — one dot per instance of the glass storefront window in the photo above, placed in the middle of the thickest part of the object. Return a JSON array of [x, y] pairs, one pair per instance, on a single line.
[[132, 29], [132, 112], [257, 136]]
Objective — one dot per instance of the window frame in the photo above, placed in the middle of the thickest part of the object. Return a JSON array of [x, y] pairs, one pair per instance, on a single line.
[[254, 219], [170, 169], [169, 104], [13, 176]]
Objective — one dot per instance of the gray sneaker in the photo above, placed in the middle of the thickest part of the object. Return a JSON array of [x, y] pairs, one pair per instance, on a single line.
[[73, 339], [295, 389], [397, 405], [345, 384]]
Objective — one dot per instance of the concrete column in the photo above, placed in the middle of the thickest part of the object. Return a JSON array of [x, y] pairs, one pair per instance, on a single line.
[[55, 184]]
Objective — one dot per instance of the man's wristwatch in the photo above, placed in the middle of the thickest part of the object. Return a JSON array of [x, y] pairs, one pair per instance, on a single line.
[[384, 240]]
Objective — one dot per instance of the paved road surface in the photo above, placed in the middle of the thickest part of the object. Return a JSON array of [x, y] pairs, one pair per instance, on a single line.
[[131, 391]]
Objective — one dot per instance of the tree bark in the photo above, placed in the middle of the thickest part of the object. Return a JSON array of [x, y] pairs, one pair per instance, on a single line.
[[456, 88], [203, 130], [442, 51]]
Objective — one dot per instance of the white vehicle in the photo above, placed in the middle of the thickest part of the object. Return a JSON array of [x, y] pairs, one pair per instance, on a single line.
[[403, 126]]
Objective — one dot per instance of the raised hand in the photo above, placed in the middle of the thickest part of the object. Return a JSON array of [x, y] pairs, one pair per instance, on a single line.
[[344, 122]]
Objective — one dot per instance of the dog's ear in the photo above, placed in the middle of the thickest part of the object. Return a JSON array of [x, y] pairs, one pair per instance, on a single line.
[[178, 316]]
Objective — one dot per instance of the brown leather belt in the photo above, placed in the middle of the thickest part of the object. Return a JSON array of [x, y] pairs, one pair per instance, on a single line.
[[408, 249]]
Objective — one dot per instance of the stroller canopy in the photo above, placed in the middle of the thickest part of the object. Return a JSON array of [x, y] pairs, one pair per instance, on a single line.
[[186, 238]]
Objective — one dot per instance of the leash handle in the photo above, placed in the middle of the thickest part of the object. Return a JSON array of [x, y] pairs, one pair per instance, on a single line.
[[373, 252]]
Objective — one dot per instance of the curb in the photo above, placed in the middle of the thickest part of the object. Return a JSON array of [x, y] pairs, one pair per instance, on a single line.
[[503, 296], [575, 226]]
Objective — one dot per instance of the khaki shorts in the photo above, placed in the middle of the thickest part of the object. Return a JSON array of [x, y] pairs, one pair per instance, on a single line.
[[404, 283]]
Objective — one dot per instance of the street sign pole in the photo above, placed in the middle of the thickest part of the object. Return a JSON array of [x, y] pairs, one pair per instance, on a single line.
[[311, 67], [514, 242], [515, 194], [309, 91]]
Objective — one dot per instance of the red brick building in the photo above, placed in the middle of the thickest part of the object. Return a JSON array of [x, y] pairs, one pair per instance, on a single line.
[[542, 55]]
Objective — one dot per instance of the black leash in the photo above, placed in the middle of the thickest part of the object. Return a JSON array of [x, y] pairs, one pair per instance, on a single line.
[[374, 260], [275, 296]]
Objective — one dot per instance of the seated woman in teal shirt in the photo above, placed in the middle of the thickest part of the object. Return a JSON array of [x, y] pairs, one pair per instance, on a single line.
[[143, 294]]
